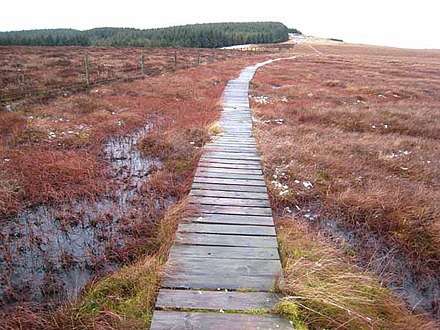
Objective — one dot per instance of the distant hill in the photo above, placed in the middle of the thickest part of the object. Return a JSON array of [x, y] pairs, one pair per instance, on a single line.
[[210, 35]]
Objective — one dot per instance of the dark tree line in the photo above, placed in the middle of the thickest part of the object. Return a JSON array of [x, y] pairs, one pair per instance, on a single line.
[[210, 35]]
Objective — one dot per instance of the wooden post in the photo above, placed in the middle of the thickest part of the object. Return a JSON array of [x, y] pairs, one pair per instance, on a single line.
[[86, 64], [175, 60], [142, 64], [198, 56]]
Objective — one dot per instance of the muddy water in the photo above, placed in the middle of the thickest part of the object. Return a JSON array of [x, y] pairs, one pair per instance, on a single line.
[[48, 254]]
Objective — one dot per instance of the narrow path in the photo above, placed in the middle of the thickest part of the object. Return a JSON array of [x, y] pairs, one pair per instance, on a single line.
[[224, 264]]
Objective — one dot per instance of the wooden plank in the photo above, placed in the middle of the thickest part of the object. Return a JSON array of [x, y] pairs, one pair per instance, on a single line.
[[227, 141], [213, 174], [215, 282], [232, 155], [228, 252], [226, 229], [228, 194], [231, 119], [166, 320], [243, 182], [231, 139], [214, 164], [215, 300], [228, 267], [237, 126], [236, 121], [224, 201], [233, 146], [237, 117], [239, 210], [226, 240], [231, 149], [232, 219], [228, 187], [205, 168], [255, 163]]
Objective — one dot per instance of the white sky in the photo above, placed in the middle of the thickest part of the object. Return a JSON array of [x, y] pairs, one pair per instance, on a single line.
[[399, 23]]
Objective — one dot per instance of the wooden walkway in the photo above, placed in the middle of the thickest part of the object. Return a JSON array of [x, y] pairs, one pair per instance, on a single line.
[[225, 262]]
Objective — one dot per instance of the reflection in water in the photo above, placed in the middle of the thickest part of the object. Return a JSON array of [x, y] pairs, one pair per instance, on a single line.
[[49, 253]]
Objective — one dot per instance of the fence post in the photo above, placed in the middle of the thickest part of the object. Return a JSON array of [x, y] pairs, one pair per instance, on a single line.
[[198, 56], [175, 60], [142, 64], [86, 64]]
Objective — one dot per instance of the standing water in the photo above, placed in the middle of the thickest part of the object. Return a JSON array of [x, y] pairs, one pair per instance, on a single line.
[[48, 253]]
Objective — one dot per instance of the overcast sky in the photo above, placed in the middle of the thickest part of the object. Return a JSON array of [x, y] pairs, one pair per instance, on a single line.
[[400, 23]]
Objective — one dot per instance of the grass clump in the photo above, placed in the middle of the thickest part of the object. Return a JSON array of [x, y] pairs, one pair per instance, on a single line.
[[216, 129], [324, 290], [123, 299], [126, 299], [290, 310]]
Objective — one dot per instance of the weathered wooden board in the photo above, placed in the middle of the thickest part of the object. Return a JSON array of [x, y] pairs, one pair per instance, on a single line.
[[214, 174], [238, 128], [235, 146], [232, 155], [168, 320], [172, 320], [241, 210], [222, 201], [236, 142], [225, 252], [203, 168], [216, 164], [256, 163], [228, 194], [231, 149], [228, 267], [226, 240], [226, 138], [226, 229], [233, 142], [243, 182], [214, 282], [232, 219], [228, 187], [238, 301], [235, 117]]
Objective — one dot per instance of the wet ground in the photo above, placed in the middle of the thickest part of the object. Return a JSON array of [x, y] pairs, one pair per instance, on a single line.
[[49, 253], [421, 292]]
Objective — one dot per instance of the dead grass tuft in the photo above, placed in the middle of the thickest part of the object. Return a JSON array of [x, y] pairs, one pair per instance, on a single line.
[[56, 176], [329, 292]]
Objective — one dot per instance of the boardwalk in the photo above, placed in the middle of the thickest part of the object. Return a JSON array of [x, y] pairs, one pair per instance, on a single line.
[[224, 263]]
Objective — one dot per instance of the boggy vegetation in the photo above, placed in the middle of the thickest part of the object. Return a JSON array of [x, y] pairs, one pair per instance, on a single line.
[[53, 154], [44, 72], [349, 142]]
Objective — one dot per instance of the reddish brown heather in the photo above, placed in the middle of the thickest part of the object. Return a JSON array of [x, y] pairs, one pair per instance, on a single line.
[[25, 69], [52, 151], [362, 125]]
